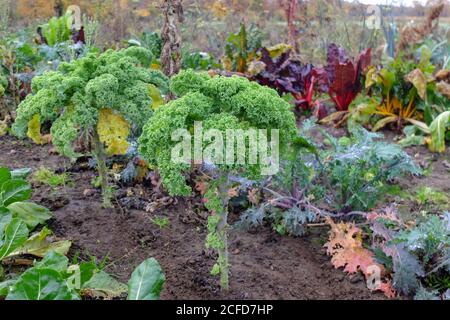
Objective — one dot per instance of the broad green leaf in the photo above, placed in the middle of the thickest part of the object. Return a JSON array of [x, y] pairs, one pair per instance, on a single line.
[[5, 175], [438, 128], [32, 214], [53, 260], [20, 173], [16, 233], [40, 244], [14, 191], [103, 285], [40, 284], [146, 281]]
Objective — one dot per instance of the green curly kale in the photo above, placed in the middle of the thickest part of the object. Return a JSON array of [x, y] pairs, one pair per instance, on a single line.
[[104, 96], [219, 103], [71, 97]]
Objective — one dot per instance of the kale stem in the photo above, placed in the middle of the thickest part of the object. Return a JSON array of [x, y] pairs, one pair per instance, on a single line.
[[222, 231], [99, 153]]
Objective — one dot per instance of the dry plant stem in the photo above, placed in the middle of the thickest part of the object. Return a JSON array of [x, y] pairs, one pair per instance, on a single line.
[[99, 153], [222, 230], [171, 36]]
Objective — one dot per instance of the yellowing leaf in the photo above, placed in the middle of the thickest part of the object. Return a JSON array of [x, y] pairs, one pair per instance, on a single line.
[[418, 79], [113, 131], [444, 89], [156, 96], [34, 131], [278, 49]]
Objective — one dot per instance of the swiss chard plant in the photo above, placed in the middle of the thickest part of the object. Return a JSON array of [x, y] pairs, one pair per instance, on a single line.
[[290, 76], [55, 278], [19, 217], [242, 48], [345, 78], [220, 104], [100, 99]]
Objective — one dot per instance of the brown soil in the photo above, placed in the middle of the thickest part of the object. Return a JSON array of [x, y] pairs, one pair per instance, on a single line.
[[264, 265]]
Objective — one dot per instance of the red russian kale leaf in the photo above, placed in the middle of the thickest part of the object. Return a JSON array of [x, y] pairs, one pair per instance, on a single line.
[[345, 75]]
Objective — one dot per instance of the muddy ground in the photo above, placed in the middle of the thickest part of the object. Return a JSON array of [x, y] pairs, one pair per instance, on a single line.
[[264, 265]]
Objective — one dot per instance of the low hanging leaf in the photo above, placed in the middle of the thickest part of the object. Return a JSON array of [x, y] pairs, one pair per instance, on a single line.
[[146, 281], [15, 234], [113, 131], [438, 130], [41, 284]]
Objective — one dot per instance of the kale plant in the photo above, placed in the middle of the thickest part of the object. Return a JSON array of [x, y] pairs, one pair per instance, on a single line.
[[103, 98], [221, 104], [359, 168]]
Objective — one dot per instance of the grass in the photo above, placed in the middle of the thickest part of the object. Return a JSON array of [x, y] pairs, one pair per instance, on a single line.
[[161, 222], [47, 177]]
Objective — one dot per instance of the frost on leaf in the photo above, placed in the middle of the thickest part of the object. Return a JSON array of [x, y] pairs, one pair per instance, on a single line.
[[113, 131]]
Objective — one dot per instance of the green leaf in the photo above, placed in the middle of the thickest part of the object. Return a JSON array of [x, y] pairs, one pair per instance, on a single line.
[[5, 219], [20, 173], [4, 287], [438, 128], [14, 191], [53, 260], [40, 244], [16, 233], [41, 284], [5, 175], [31, 213], [102, 284], [146, 281]]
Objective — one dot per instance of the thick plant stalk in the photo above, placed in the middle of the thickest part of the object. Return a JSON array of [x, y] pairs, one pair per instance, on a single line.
[[290, 8], [171, 37], [222, 231], [99, 153]]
